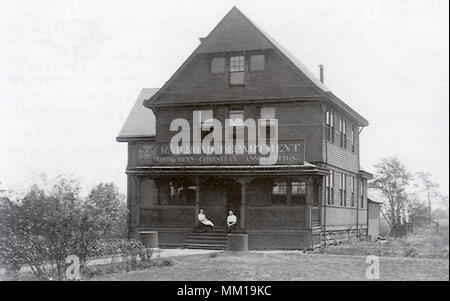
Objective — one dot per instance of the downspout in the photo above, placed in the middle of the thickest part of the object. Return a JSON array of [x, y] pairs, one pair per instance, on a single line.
[[358, 186], [357, 205], [325, 201]]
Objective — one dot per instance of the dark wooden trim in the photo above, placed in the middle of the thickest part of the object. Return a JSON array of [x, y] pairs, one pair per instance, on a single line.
[[241, 102], [135, 138]]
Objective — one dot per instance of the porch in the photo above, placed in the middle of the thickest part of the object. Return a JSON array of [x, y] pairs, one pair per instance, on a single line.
[[280, 211]]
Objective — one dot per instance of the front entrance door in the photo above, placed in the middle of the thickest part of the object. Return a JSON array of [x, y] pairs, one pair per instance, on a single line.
[[217, 196]]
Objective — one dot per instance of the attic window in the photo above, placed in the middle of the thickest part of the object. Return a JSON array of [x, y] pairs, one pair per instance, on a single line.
[[218, 65], [237, 70], [257, 62]]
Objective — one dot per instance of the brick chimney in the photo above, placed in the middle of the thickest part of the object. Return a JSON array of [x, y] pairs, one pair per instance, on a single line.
[[321, 73]]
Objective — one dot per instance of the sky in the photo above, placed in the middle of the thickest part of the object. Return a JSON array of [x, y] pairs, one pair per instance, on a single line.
[[70, 72]]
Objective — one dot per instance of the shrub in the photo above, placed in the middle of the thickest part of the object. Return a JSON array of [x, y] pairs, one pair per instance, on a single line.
[[50, 224]]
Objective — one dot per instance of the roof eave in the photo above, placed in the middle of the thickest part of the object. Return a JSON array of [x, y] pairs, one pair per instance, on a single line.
[[346, 108], [130, 138], [365, 174]]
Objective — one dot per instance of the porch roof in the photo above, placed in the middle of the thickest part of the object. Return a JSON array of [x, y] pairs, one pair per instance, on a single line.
[[230, 170]]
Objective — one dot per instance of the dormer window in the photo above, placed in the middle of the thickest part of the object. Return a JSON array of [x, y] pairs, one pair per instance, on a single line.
[[237, 70]]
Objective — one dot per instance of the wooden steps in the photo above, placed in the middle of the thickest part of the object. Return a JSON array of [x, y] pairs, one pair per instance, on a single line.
[[212, 240]]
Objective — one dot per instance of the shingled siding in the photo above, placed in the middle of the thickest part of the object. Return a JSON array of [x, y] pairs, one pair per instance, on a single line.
[[195, 83], [133, 147], [296, 121], [340, 157], [302, 121]]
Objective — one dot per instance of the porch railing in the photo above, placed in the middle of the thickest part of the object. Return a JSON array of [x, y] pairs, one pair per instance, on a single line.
[[315, 216], [270, 217], [172, 216]]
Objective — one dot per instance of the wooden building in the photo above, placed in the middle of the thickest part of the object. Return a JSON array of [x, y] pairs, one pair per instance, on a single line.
[[373, 219], [238, 72]]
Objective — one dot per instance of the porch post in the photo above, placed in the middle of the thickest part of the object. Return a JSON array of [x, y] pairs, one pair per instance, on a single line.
[[357, 205], [319, 196], [308, 202], [243, 202], [197, 198], [138, 200]]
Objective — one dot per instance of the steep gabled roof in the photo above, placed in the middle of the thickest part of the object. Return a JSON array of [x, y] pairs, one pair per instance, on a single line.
[[235, 32], [141, 120]]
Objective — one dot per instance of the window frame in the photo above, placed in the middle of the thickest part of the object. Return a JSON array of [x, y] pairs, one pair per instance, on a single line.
[[353, 138], [235, 67], [279, 198], [269, 122], [343, 132], [330, 127], [234, 126], [298, 198], [343, 189], [362, 194], [206, 124], [352, 188], [332, 186]]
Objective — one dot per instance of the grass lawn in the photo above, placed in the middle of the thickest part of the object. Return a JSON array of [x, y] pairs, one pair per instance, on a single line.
[[423, 243], [286, 266]]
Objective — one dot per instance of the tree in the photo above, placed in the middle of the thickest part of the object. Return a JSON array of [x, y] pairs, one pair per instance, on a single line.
[[110, 209], [52, 222], [430, 188], [47, 227], [418, 213], [392, 179]]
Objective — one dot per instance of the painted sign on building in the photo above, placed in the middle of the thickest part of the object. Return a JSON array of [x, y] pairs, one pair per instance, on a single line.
[[289, 153]]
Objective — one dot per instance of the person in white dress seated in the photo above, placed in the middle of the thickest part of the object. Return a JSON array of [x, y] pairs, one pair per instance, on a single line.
[[203, 220], [231, 221]]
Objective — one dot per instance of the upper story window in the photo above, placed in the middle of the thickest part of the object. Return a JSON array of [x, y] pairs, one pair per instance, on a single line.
[[329, 121], [343, 132], [257, 62], [236, 121], [237, 70], [206, 122], [218, 65], [268, 116], [353, 138]]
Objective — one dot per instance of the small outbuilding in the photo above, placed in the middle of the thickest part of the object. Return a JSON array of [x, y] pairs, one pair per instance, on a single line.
[[373, 219]]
